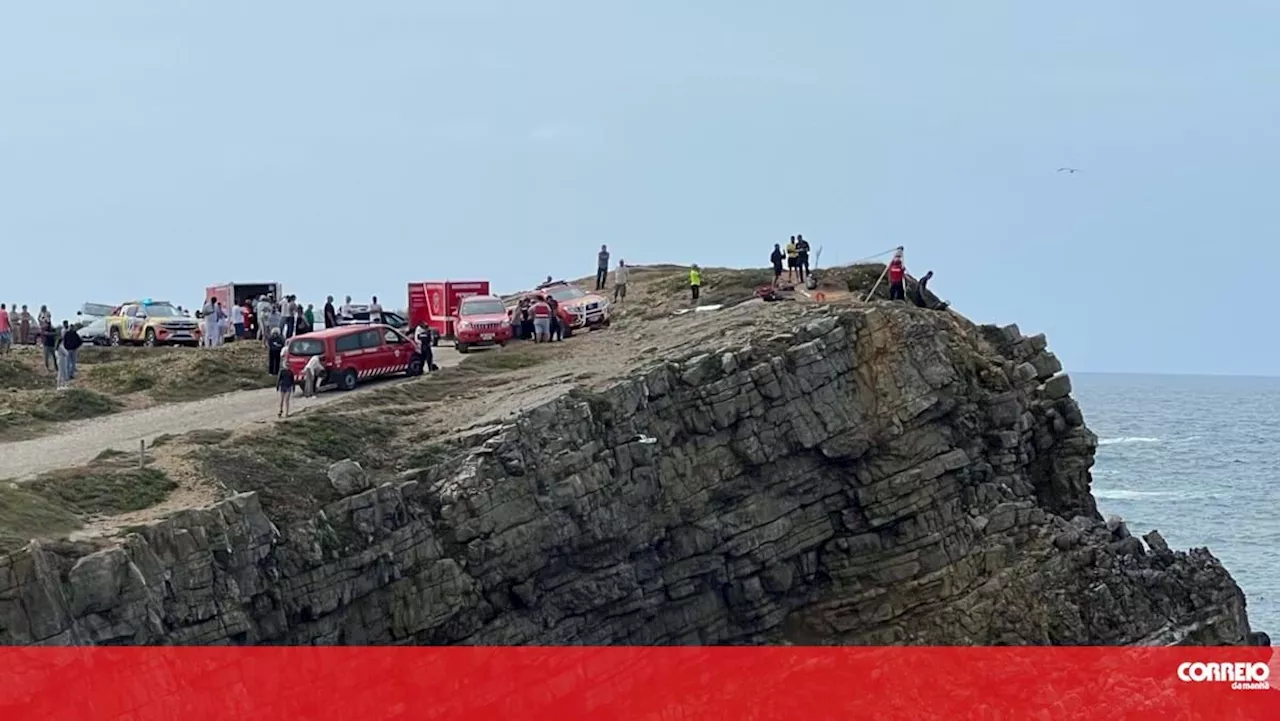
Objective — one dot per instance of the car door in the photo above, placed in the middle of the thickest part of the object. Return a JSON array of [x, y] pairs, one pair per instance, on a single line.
[[399, 348], [134, 320], [347, 353], [374, 355]]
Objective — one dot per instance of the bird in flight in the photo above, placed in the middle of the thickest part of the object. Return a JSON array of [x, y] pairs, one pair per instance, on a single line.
[[1068, 170]]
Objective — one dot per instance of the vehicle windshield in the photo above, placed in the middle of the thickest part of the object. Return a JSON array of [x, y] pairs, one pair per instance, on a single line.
[[487, 306], [306, 347], [161, 310], [566, 292]]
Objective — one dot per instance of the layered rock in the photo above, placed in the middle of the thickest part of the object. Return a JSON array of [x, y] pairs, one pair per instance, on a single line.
[[881, 474]]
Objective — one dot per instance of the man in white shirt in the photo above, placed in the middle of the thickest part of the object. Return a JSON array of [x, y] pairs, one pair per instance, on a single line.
[[207, 314], [375, 311], [264, 312], [345, 310], [237, 320]]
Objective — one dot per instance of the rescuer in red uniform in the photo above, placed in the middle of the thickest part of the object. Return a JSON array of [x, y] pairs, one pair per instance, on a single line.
[[897, 272]]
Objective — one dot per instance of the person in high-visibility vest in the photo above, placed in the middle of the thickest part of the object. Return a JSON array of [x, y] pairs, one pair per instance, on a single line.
[[695, 281], [793, 257]]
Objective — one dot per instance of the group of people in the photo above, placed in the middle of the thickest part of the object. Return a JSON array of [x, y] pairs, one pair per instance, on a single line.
[[256, 318], [796, 256], [61, 344], [619, 275]]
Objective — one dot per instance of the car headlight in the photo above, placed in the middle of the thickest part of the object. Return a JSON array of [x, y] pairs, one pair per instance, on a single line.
[[464, 325]]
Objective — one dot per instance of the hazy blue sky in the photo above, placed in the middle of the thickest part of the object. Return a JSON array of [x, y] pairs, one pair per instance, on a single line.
[[151, 148]]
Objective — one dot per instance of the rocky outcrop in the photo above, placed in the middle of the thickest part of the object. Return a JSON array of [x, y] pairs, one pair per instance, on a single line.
[[881, 474]]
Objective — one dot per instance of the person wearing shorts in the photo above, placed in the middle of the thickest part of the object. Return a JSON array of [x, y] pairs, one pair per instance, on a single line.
[[285, 387], [541, 311]]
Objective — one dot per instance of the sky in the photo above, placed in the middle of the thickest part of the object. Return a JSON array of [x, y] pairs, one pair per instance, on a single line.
[[150, 149]]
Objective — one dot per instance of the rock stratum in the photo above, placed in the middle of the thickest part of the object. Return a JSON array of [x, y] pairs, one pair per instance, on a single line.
[[876, 475]]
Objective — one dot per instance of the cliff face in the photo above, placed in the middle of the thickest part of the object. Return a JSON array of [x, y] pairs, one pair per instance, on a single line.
[[880, 474]]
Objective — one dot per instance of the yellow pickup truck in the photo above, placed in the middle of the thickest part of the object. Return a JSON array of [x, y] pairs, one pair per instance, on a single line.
[[151, 323]]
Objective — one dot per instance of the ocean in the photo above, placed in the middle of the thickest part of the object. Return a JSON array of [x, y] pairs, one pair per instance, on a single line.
[[1197, 457]]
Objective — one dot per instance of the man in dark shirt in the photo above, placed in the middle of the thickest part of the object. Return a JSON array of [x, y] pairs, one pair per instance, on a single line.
[[802, 256], [71, 341], [330, 315], [49, 338], [602, 267]]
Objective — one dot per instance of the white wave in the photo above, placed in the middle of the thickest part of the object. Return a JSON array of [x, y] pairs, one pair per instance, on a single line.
[[1126, 440], [1117, 494]]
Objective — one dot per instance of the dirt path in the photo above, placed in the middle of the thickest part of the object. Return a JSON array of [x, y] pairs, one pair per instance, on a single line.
[[79, 442]]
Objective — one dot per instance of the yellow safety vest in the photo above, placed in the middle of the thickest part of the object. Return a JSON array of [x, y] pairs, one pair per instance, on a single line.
[[695, 278], [791, 250]]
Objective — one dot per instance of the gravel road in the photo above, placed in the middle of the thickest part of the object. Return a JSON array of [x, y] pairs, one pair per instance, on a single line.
[[80, 441]]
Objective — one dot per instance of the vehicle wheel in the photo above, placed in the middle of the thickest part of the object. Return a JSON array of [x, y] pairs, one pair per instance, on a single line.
[[460, 347], [149, 340], [114, 338], [347, 381], [415, 367]]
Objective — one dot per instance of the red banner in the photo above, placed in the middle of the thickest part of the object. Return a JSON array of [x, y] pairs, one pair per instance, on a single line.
[[564, 684]]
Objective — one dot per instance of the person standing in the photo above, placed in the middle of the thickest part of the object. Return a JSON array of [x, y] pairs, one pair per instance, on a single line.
[[263, 310], [375, 311], [62, 365], [802, 256], [285, 387], [541, 312], [310, 315], [775, 258], [71, 341], [330, 315], [24, 326], [695, 282], [210, 323], [620, 282], [345, 310], [556, 332], [45, 316], [792, 254], [49, 340], [287, 314], [602, 267], [237, 321], [423, 336], [897, 272], [275, 346], [6, 330]]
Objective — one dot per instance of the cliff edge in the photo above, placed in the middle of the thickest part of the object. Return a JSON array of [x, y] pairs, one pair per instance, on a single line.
[[768, 473]]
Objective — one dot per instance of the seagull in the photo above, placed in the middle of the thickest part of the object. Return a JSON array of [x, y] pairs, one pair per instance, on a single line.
[[1067, 170]]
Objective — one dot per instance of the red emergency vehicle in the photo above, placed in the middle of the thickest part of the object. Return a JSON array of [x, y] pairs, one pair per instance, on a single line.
[[482, 321], [436, 303], [354, 353]]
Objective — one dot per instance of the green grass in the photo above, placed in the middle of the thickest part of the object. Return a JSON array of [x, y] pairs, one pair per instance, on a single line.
[[25, 515], [56, 503], [27, 414], [16, 375], [104, 491], [175, 375], [287, 465]]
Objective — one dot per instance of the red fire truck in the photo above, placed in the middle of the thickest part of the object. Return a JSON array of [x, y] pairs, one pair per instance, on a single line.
[[436, 303]]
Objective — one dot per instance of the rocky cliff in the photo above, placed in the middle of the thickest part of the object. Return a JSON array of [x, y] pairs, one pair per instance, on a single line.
[[879, 474]]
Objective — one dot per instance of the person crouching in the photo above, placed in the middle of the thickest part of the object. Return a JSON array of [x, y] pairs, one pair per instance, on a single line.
[[311, 374]]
